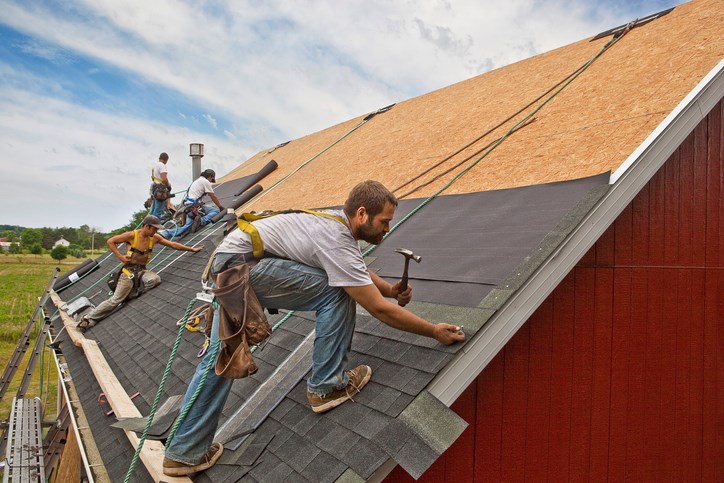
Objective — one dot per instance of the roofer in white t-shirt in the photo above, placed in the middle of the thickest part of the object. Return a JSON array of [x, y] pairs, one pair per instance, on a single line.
[[197, 212], [160, 190], [311, 262]]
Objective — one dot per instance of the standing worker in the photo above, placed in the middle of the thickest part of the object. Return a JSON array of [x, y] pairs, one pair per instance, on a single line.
[[311, 262], [197, 213], [134, 279], [160, 188]]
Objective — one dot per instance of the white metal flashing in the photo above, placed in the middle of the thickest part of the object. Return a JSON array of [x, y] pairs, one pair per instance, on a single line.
[[626, 183]]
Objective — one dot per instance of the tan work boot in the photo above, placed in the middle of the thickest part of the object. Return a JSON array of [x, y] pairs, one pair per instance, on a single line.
[[176, 468], [358, 378]]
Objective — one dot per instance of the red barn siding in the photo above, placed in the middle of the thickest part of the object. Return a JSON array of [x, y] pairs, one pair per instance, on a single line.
[[619, 375]]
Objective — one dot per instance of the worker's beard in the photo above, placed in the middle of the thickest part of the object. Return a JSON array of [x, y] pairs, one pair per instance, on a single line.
[[368, 233]]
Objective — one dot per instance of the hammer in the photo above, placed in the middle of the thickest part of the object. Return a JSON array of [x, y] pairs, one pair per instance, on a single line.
[[408, 255]]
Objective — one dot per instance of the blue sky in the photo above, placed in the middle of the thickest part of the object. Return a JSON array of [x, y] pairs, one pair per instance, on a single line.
[[91, 91]]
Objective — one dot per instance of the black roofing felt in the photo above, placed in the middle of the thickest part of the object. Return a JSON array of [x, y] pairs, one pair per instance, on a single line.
[[394, 417], [470, 243]]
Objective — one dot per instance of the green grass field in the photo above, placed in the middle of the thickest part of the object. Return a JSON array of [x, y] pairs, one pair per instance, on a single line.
[[22, 281]]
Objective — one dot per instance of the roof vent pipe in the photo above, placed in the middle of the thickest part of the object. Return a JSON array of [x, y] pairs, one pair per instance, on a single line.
[[196, 151]]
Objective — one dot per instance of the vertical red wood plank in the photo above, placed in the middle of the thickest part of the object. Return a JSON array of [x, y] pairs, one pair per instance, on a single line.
[[696, 316], [669, 396], [686, 200], [715, 189], [671, 209], [562, 370], [515, 405], [640, 228], [539, 392], [589, 259], [489, 421], [683, 369], [638, 468], [620, 373], [460, 457], [605, 247], [699, 218], [601, 390], [713, 397], [655, 356], [657, 212], [583, 349], [398, 475], [622, 241]]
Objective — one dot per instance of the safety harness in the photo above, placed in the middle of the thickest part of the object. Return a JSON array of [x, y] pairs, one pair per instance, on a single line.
[[245, 225], [133, 271], [159, 189]]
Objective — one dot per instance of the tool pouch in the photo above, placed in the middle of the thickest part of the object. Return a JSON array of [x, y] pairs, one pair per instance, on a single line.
[[241, 322], [160, 191]]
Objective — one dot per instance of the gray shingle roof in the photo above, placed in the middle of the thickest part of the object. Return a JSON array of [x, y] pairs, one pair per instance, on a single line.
[[393, 417]]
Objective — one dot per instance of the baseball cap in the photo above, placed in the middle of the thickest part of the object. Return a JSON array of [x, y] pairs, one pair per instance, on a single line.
[[209, 173], [152, 220]]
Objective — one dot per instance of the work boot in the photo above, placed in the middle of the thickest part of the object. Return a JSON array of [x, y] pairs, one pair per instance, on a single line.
[[176, 468], [84, 324], [358, 378], [196, 224]]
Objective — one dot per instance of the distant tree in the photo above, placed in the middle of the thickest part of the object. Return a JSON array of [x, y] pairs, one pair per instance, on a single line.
[[49, 237], [59, 252], [15, 248], [10, 235], [30, 236], [76, 251], [36, 249]]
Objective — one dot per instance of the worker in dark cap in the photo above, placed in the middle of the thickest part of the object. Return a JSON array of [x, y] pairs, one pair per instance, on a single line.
[[160, 188], [133, 278], [198, 213]]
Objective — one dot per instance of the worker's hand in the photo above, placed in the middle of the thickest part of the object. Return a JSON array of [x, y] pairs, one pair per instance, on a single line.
[[448, 334], [197, 249], [404, 297], [221, 208], [126, 258]]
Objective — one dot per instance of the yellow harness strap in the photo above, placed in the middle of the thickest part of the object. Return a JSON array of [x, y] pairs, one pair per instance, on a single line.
[[155, 179], [245, 225], [133, 247]]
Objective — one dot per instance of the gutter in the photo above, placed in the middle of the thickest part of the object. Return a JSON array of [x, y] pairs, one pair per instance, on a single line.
[[626, 182]]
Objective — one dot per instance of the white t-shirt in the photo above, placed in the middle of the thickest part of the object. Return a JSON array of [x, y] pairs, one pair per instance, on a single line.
[[313, 240], [199, 188], [158, 170]]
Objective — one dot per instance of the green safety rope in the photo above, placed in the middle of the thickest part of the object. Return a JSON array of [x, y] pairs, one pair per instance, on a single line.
[[159, 392], [499, 140]]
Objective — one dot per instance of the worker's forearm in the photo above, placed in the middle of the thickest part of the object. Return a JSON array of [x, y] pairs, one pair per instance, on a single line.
[[382, 285]]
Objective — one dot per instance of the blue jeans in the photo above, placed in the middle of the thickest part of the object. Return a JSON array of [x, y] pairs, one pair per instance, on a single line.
[[180, 230], [279, 284], [157, 208]]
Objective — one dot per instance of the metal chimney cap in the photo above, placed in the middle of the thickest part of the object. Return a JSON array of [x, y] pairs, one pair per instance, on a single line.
[[196, 149]]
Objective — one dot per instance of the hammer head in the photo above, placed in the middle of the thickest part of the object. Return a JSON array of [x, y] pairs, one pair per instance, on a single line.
[[408, 254]]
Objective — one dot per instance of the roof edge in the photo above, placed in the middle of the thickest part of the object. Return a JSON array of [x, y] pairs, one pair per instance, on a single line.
[[626, 183]]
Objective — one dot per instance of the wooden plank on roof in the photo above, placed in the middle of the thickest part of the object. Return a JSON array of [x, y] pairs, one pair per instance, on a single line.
[[152, 453], [68, 321]]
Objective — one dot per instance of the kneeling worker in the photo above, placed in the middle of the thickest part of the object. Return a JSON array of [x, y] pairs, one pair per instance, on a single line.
[[313, 264], [134, 276], [197, 211]]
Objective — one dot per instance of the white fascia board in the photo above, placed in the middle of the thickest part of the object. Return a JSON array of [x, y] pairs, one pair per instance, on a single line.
[[626, 183]]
